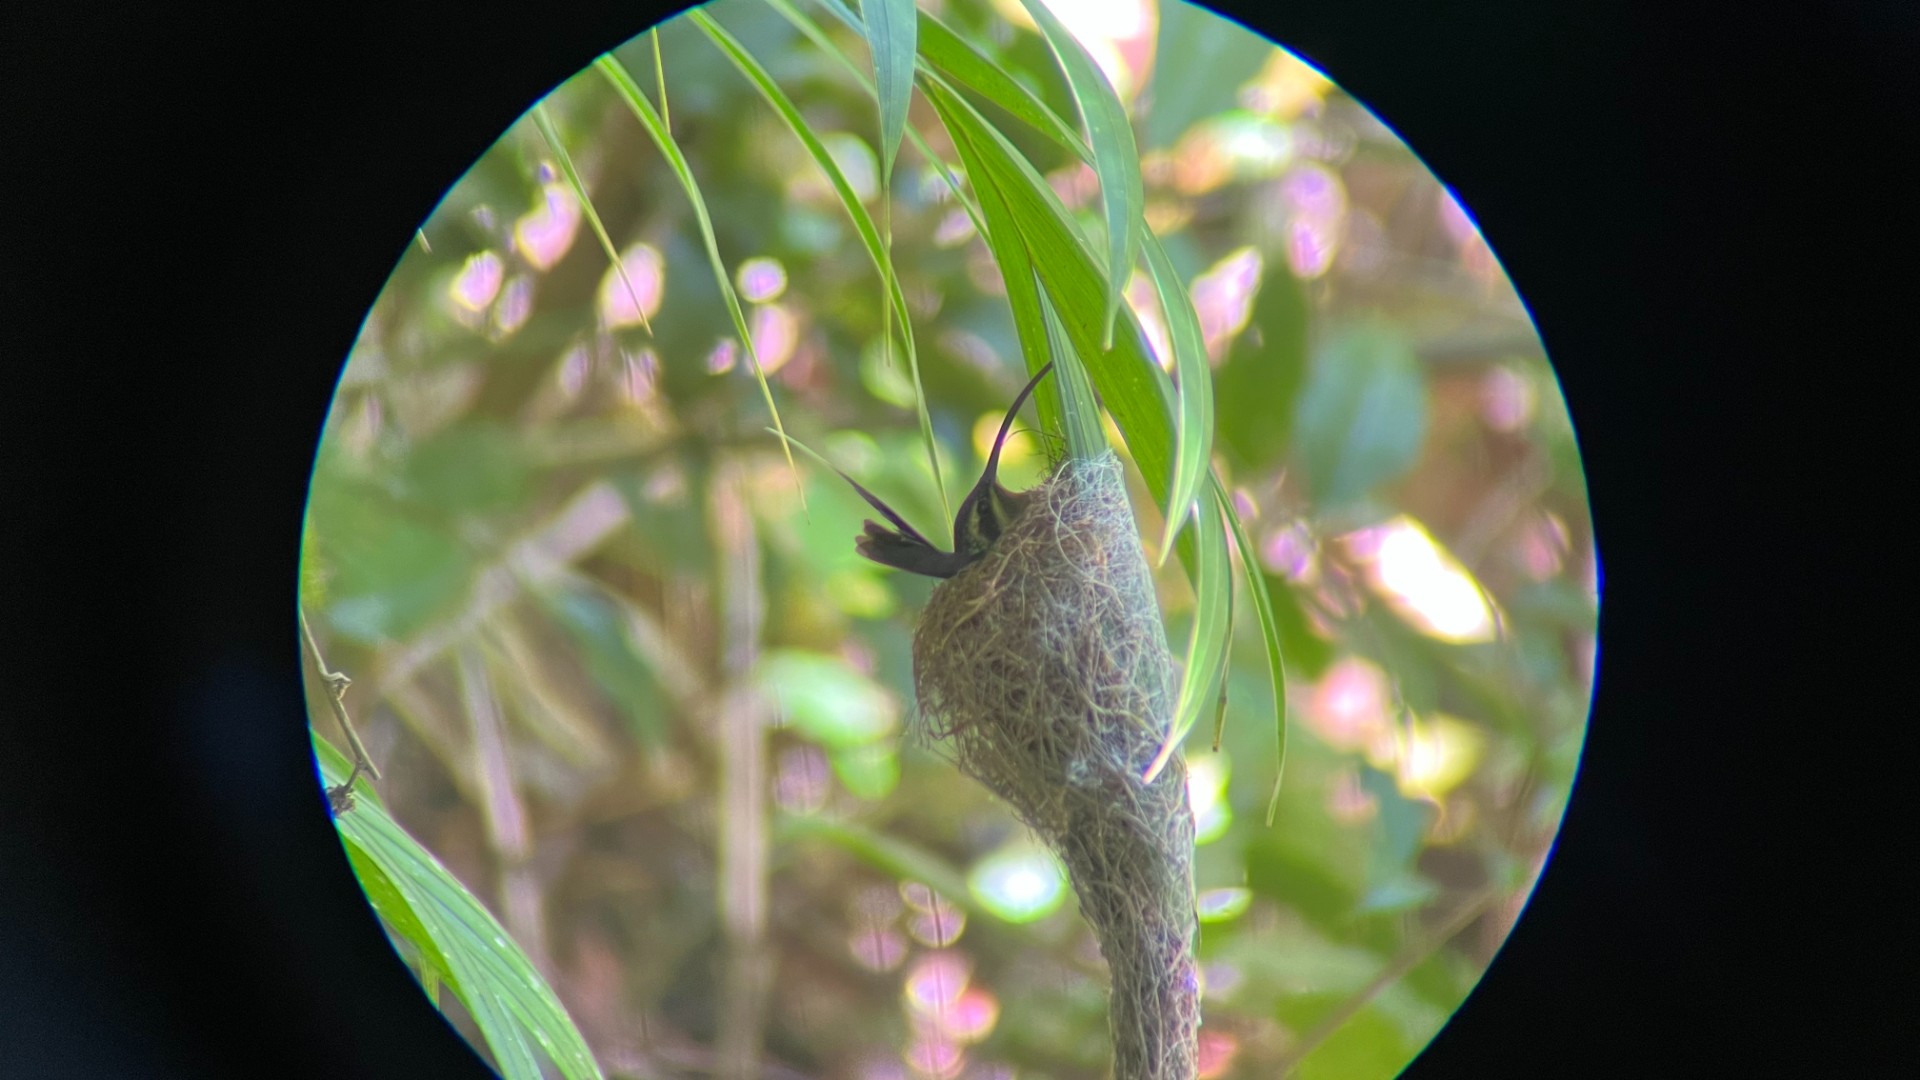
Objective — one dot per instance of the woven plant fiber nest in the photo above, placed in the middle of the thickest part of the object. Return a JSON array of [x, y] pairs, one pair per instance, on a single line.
[[1043, 670]]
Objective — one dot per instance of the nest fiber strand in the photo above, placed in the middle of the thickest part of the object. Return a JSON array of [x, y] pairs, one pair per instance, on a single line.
[[1044, 669]]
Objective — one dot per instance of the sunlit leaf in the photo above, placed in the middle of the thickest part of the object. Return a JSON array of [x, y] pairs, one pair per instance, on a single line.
[[1206, 662], [893, 29], [399, 918], [1193, 425], [511, 1003], [1269, 635], [1115, 158]]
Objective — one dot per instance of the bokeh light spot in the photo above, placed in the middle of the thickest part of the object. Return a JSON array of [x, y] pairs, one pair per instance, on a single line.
[[1223, 298], [1221, 905], [1424, 584], [1206, 791], [936, 981], [877, 948], [761, 279], [1217, 1050], [1439, 751], [478, 282], [1019, 883], [646, 273], [543, 235], [775, 333]]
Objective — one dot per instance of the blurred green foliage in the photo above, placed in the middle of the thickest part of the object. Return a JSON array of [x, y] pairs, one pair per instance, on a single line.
[[567, 568]]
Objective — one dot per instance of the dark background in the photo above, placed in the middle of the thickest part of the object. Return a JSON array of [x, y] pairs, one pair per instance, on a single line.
[[1699, 202]]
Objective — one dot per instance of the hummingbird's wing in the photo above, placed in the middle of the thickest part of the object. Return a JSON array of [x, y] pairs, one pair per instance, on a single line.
[[901, 547], [907, 532]]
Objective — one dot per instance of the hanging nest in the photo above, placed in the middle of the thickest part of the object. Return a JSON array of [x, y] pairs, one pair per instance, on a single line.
[[1043, 669]]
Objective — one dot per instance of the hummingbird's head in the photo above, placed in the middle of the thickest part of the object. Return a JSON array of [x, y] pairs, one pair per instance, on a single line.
[[983, 515]]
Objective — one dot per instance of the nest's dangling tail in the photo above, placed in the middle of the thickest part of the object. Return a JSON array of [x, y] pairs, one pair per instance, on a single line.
[[1044, 667]]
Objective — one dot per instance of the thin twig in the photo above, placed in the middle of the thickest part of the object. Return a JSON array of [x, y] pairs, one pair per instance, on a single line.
[[340, 796]]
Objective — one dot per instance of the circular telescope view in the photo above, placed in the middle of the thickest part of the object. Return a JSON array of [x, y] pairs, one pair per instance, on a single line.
[[975, 539]]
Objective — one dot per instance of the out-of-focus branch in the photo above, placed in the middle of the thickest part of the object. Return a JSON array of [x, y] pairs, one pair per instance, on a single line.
[[520, 900], [743, 854]]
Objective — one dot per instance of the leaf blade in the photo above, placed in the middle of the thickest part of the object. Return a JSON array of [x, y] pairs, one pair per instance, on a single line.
[[1269, 634], [1207, 642], [636, 101], [1193, 413], [1116, 160], [870, 237], [506, 994], [892, 36], [544, 123]]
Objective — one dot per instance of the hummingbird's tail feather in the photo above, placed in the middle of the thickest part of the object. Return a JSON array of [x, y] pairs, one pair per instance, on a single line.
[[909, 552]]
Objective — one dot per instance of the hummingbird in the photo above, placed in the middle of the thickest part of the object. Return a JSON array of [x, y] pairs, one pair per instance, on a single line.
[[983, 514]]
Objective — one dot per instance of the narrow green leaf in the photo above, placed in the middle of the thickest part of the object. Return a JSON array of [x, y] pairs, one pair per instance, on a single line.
[[892, 33], [1080, 415], [629, 92], [945, 53], [1134, 389], [509, 1000], [397, 915], [1208, 640], [660, 79], [1116, 160], [814, 34], [1193, 418], [1269, 633], [1017, 271], [545, 123], [955, 60], [862, 222]]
